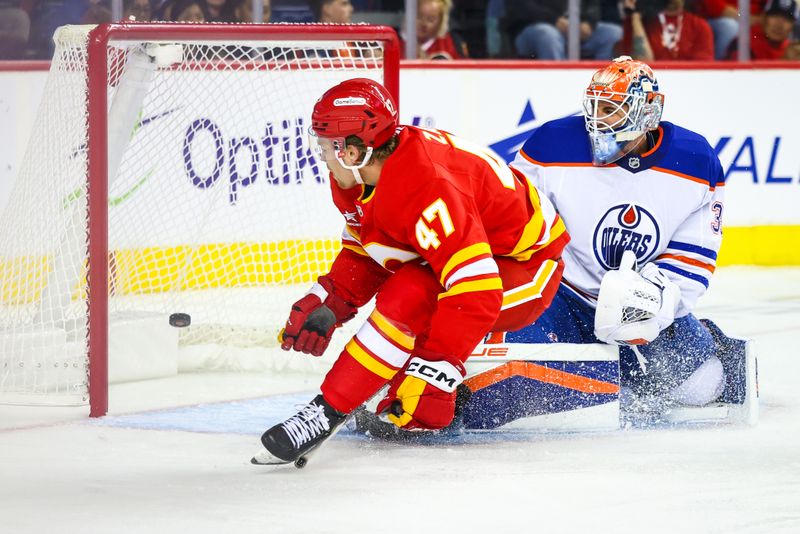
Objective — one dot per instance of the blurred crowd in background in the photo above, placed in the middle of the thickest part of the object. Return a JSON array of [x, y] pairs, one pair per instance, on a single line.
[[451, 29]]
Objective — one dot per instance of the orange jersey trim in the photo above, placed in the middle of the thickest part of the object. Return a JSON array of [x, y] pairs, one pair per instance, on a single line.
[[688, 177], [690, 261], [558, 164], [659, 169], [658, 143]]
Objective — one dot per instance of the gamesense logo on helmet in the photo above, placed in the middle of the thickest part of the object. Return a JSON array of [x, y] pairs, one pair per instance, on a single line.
[[625, 227], [350, 101]]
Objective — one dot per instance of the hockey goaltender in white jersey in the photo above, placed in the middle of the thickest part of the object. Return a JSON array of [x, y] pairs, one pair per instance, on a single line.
[[643, 202]]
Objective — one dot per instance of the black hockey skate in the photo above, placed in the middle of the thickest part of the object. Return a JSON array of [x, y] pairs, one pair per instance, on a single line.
[[294, 439]]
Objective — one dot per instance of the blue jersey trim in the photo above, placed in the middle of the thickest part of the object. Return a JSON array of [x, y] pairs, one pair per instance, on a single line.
[[562, 140], [686, 274], [687, 247], [690, 154]]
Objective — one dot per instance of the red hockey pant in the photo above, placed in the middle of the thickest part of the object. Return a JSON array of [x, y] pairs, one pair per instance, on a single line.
[[404, 306]]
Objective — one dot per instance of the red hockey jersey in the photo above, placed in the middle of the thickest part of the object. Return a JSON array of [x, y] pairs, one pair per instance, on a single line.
[[448, 202]]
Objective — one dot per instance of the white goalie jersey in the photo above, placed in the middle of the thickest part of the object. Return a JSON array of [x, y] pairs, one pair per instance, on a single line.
[[665, 205]]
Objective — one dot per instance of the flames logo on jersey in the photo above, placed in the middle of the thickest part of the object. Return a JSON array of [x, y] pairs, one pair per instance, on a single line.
[[625, 227]]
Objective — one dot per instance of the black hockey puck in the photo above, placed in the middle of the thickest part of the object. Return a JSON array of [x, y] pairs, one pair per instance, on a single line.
[[180, 320]]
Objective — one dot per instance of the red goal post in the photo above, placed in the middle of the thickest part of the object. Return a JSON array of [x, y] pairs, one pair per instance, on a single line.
[[151, 95]]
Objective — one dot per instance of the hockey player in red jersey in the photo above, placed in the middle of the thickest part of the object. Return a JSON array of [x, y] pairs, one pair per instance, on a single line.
[[453, 244]]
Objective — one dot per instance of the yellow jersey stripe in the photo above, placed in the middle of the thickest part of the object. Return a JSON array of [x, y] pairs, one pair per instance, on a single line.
[[352, 232], [486, 284], [463, 255], [556, 231], [368, 361], [532, 230], [401, 338], [355, 248], [532, 290]]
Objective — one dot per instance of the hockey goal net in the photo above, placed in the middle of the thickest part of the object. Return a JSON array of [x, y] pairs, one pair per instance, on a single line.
[[169, 172]]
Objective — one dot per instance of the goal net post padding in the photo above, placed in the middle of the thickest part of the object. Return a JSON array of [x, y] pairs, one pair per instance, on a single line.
[[169, 171]]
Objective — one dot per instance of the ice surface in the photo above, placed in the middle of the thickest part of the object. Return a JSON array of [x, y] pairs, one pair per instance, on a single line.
[[153, 467]]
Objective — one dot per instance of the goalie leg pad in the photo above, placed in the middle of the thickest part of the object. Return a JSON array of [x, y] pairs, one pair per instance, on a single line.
[[739, 401], [669, 360], [520, 389], [702, 386], [740, 366]]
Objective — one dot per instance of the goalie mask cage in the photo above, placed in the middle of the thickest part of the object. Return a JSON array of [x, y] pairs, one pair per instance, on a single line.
[[169, 171]]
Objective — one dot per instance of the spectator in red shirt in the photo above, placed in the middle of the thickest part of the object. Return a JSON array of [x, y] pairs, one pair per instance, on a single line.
[[671, 33], [723, 17], [770, 39]]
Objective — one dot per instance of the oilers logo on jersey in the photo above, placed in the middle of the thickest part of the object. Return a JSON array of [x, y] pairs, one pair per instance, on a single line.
[[625, 227]]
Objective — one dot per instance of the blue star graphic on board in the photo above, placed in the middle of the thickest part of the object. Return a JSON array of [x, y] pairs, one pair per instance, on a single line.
[[507, 148]]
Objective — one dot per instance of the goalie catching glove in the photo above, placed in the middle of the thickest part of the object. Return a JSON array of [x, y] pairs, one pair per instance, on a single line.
[[422, 396], [634, 307], [314, 318]]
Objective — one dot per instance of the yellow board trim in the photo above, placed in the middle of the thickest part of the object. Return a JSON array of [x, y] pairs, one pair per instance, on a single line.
[[463, 255], [760, 245], [399, 337], [151, 270], [159, 269], [370, 363], [22, 279]]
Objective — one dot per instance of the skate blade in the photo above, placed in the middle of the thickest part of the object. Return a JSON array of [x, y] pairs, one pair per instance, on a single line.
[[263, 457]]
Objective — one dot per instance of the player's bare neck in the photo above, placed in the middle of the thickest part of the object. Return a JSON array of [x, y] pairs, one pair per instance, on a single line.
[[344, 178], [372, 172]]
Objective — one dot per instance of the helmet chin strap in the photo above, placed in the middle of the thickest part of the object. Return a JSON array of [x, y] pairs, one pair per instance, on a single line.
[[355, 168], [357, 175]]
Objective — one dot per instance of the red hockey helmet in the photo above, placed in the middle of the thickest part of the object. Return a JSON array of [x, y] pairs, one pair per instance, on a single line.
[[360, 107]]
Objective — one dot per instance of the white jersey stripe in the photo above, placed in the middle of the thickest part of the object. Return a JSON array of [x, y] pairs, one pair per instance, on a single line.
[[478, 268], [379, 346]]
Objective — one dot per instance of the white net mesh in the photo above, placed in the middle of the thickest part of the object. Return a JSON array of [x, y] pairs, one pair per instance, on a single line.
[[216, 205]]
